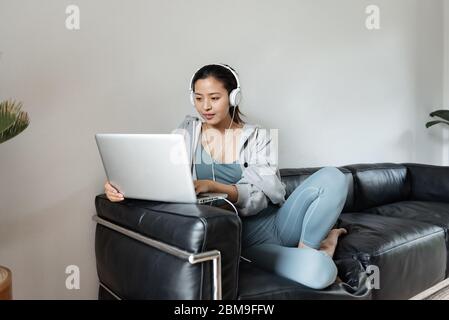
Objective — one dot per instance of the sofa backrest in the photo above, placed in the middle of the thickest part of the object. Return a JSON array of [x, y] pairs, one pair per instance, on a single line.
[[428, 182], [370, 184], [378, 184], [296, 176]]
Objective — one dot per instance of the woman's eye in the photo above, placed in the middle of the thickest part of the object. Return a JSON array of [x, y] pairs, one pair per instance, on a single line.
[[198, 99]]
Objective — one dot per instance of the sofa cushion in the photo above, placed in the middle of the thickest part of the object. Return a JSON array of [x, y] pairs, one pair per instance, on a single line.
[[436, 213], [295, 177], [378, 184], [258, 284], [410, 255]]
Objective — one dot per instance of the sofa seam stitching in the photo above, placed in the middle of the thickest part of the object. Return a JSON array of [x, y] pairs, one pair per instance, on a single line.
[[378, 253], [379, 168]]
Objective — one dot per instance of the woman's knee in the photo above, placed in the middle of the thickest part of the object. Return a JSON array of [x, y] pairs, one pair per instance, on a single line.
[[333, 172], [335, 180], [321, 271]]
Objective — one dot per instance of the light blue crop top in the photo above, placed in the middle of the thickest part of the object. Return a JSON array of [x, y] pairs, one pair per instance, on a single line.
[[226, 173]]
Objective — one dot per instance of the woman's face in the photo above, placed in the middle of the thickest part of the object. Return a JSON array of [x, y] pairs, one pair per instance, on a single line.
[[212, 100]]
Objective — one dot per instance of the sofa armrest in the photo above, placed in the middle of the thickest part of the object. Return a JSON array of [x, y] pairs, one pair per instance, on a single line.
[[428, 182], [141, 270]]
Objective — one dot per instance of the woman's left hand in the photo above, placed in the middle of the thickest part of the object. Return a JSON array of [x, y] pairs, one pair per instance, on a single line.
[[202, 186]]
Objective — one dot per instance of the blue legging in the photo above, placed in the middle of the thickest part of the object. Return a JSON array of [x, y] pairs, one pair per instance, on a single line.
[[271, 237]]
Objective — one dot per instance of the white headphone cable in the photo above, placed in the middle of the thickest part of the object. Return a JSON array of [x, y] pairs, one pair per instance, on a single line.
[[213, 170], [235, 209], [207, 143]]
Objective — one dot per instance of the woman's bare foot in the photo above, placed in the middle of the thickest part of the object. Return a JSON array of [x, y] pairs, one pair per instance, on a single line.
[[329, 244]]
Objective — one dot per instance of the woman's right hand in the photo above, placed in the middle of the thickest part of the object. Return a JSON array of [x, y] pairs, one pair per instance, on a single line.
[[112, 193]]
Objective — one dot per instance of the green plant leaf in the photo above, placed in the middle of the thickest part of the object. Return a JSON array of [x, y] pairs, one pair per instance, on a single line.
[[431, 123], [9, 111], [443, 114], [12, 120]]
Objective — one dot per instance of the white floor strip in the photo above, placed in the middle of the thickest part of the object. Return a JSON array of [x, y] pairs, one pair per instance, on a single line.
[[432, 290]]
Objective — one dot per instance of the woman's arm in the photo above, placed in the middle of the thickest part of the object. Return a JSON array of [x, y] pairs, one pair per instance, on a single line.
[[217, 187], [230, 190]]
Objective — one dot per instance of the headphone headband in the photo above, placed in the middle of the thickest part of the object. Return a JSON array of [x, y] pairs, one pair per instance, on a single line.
[[235, 95], [216, 64]]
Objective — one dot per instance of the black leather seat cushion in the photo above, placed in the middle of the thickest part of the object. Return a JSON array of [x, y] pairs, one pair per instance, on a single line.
[[258, 284], [410, 255], [436, 213]]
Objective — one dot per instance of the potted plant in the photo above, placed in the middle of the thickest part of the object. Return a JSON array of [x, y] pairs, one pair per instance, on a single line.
[[443, 114], [12, 122]]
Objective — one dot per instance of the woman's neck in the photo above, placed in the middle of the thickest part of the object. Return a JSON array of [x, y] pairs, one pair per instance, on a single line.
[[223, 125]]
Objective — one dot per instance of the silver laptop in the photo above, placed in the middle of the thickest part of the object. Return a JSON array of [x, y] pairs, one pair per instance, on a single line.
[[150, 167]]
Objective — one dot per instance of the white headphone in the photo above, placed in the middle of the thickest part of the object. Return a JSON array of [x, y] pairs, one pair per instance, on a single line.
[[235, 96]]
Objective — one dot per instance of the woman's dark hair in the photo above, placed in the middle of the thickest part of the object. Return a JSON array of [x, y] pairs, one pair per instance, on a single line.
[[226, 77]]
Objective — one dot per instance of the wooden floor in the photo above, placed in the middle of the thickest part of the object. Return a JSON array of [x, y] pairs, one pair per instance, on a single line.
[[440, 291]]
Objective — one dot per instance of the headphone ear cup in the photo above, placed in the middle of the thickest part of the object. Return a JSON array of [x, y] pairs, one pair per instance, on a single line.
[[235, 97], [192, 98]]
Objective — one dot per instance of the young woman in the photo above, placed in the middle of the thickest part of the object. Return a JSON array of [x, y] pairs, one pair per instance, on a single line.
[[294, 237]]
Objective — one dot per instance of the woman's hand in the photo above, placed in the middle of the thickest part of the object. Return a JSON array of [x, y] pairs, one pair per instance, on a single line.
[[112, 193], [202, 186], [214, 186]]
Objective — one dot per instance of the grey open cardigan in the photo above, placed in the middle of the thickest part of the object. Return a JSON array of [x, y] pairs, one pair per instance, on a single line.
[[258, 160]]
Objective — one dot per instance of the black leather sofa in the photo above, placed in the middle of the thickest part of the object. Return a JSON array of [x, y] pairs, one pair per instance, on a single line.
[[397, 217]]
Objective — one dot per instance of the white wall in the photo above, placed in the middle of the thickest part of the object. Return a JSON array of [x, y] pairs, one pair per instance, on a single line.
[[429, 75], [446, 54], [339, 94], [446, 80]]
